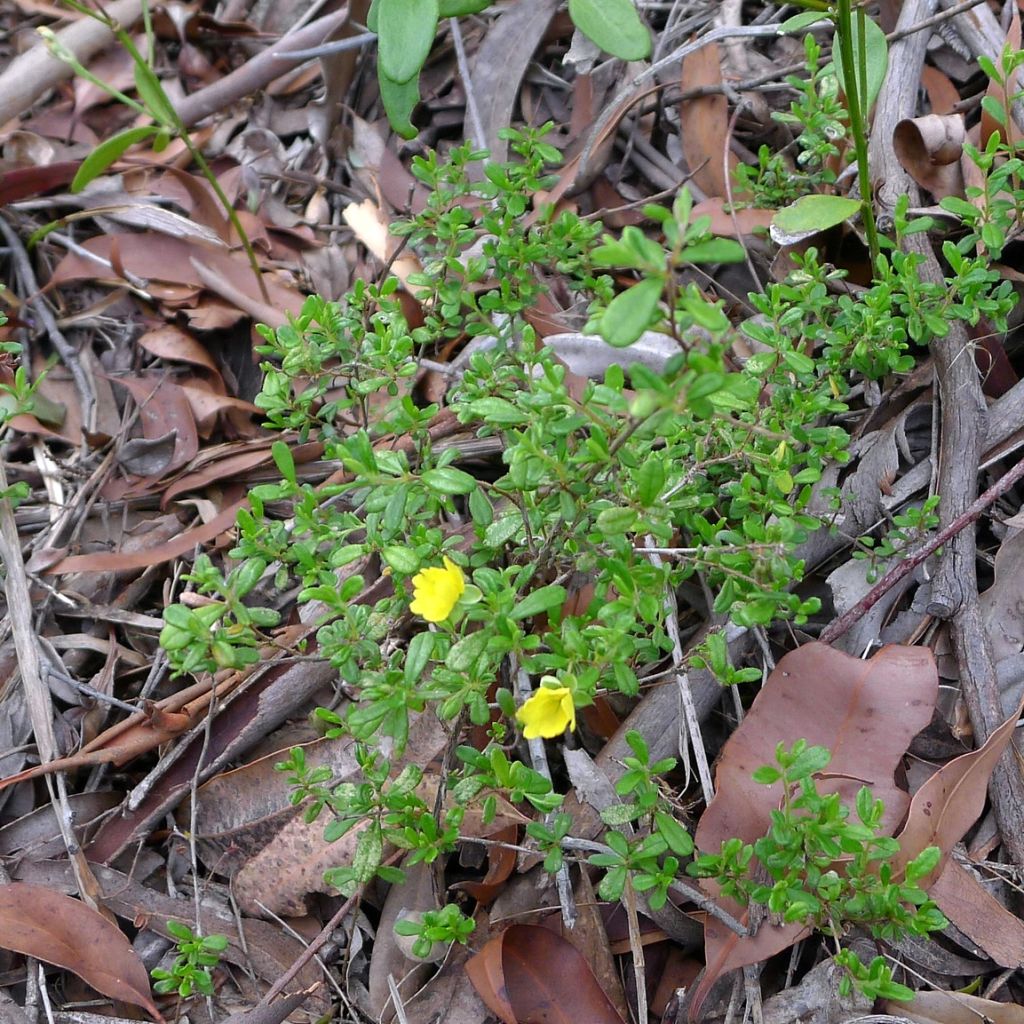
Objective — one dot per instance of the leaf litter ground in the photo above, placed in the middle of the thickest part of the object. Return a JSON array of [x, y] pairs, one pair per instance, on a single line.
[[158, 802]]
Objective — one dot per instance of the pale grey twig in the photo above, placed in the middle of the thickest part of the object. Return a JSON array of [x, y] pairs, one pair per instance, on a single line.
[[327, 49], [479, 139]]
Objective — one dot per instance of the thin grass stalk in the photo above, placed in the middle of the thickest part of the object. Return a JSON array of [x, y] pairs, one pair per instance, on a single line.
[[855, 79]]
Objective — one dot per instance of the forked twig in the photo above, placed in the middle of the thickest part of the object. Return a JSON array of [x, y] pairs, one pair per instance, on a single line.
[[973, 512]]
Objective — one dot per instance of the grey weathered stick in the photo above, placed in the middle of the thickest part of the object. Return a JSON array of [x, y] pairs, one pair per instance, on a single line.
[[35, 72], [259, 72], [955, 587]]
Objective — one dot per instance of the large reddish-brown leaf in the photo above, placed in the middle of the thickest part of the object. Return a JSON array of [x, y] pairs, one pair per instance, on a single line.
[[530, 975], [949, 803], [865, 712], [59, 930], [979, 915]]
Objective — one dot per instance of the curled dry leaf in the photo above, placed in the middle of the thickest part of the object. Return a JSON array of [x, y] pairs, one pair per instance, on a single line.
[[929, 148], [59, 930], [529, 975]]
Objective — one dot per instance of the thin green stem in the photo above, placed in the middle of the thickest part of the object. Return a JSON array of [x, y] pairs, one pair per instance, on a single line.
[[170, 123], [854, 78]]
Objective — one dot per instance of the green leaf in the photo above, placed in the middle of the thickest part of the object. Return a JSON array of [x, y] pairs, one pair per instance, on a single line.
[[406, 30], [801, 21], [650, 479], [421, 650], [994, 109], [814, 213], [456, 8], [613, 522], [960, 207], [464, 655], [109, 152], [449, 480], [153, 97], [678, 839], [369, 853], [497, 410], [399, 101], [631, 312], [501, 531], [877, 52], [480, 508], [614, 25], [401, 558], [714, 250], [551, 596], [282, 455]]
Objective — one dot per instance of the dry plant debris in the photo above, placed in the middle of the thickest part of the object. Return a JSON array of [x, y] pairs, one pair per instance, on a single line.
[[813, 259]]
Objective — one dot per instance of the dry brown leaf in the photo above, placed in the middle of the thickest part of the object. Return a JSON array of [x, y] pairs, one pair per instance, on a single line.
[[161, 258], [118, 561], [499, 67], [949, 803], [864, 712], [929, 148], [979, 915], [704, 123], [955, 1008], [501, 862], [59, 930], [522, 976], [748, 220], [173, 343], [371, 227], [163, 407], [388, 959]]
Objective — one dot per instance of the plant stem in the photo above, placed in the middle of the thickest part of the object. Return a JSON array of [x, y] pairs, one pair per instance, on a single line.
[[856, 90]]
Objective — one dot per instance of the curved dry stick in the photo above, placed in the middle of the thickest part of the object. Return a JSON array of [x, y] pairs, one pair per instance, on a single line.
[[260, 71]]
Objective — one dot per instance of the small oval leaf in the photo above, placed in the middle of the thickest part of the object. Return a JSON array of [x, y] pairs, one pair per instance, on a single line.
[[108, 152], [631, 312], [809, 215], [614, 25]]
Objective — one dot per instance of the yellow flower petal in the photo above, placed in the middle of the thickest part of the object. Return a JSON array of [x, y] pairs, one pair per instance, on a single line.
[[437, 591], [548, 712]]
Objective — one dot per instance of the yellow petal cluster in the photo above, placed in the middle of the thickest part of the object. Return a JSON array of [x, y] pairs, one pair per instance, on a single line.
[[437, 591], [548, 712]]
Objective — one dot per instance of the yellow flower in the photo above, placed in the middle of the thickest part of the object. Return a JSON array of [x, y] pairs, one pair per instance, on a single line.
[[437, 591], [548, 712]]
